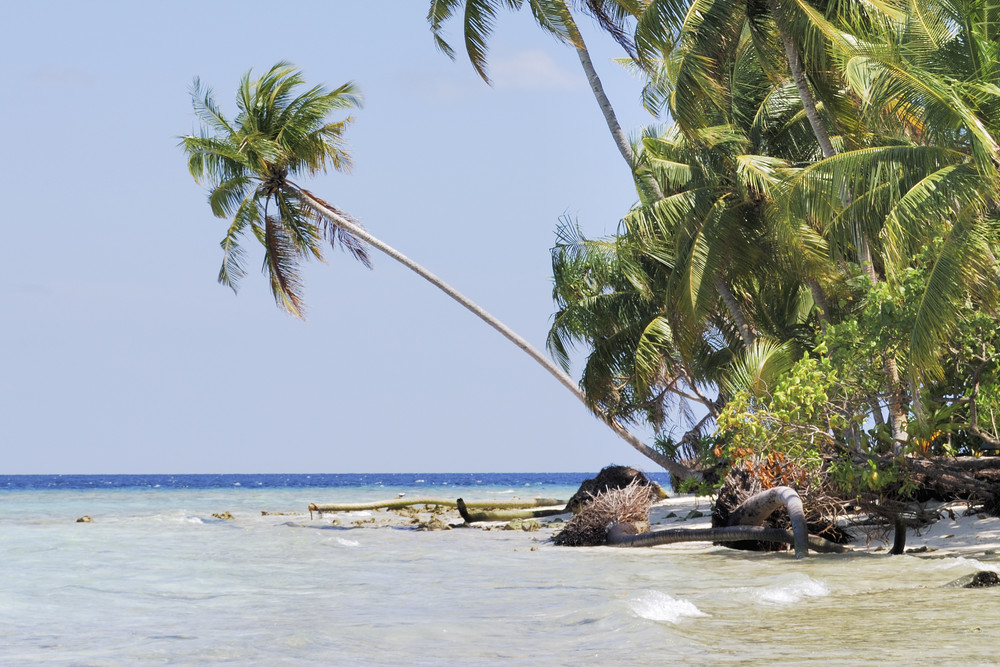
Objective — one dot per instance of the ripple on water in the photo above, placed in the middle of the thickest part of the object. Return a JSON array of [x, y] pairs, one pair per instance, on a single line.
[[348, 543]]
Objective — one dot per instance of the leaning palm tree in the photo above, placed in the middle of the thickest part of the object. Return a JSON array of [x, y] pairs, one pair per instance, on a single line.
[[249, 164]]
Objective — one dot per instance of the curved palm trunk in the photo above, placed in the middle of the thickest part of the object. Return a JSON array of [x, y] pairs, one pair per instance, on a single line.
[[744, 524], [755, 510], [676, 470]]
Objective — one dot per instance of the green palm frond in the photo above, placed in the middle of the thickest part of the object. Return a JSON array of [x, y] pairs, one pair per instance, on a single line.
[[282, 128], [437, 14], [757, 369], [964, 265], [652, 353], [478, 20], [701, 253]]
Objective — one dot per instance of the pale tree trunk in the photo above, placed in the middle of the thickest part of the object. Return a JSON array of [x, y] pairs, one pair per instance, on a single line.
[[621, 140], [799, 76], [344, 221], [894, 394]]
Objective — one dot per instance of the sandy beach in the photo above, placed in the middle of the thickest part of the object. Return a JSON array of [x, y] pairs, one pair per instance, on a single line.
[[955, 532]]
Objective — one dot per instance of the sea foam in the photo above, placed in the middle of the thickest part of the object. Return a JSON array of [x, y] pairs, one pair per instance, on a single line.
[[657, 606], [791, 593]]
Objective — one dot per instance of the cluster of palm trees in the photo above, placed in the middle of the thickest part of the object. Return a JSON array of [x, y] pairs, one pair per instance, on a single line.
[[818, 150]]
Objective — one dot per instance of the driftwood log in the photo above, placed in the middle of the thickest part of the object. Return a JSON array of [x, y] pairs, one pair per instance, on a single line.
[[620, 537], [504, 515], [399, 503]]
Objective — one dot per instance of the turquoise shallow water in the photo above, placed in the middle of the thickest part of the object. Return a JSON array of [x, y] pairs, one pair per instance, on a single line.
[[156, 580]]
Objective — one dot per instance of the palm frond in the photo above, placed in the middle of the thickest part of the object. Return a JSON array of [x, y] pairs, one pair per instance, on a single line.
[[281, 263], [757, 369]]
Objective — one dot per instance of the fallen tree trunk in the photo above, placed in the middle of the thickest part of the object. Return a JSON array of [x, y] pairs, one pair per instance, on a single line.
[[620, 537], [399, 503], [504, 515], [755, 510]]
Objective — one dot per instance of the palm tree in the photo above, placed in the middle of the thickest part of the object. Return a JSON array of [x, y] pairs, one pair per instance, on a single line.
[[556, 18], [248, 163]]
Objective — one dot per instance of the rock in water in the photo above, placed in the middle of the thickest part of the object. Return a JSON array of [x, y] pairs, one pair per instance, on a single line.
[[981, 579]]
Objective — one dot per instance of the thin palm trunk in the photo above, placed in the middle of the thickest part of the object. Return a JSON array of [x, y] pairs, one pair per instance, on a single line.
[[799, 76], [621, 140], [676, 470]]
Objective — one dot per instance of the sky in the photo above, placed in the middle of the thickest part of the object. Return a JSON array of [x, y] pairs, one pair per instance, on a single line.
[[120, 353]]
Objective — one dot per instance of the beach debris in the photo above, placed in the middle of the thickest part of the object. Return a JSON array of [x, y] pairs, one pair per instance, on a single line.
[[528, 526], [743, 483], [225, 516], [505, 515], [399, 503], [620, 517], [436, 523], [628, 505], [86, 518], [612, 477], [924, 549]]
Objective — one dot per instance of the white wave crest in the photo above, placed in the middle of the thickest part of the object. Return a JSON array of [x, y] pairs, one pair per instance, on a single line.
[[657, 606], [791, 593], [348, 543], [964, 563]]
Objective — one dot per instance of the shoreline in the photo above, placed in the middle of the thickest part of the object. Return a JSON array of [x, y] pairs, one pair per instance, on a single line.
[[953, 534]]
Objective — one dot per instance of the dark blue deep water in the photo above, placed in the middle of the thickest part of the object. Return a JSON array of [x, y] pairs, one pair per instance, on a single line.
[[290, 481]]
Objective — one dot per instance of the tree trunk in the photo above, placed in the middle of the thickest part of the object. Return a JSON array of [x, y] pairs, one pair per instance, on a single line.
[[898, 537], [799, 76], [677, 470], [399, 503], [755, 510], [621, 140], [504, 515], [621, 538]]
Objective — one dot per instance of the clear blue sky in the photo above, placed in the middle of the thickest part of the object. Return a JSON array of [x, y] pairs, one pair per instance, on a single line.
[[120, 353]]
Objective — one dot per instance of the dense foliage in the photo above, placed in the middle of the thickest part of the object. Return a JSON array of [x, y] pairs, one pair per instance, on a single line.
[[813, 291]]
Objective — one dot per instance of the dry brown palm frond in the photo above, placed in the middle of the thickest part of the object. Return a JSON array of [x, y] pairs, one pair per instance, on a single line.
[[589, 527]]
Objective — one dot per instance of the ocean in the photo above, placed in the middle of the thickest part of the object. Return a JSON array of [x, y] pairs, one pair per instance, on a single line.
[[155, 578]]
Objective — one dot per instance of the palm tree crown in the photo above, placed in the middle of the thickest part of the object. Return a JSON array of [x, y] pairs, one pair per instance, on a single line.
[[280, 132]]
